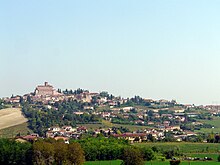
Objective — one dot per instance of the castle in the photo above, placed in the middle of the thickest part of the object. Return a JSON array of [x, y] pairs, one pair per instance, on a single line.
[[45, 90]]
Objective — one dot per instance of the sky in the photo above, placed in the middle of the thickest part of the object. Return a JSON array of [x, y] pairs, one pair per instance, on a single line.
[[152, 48]]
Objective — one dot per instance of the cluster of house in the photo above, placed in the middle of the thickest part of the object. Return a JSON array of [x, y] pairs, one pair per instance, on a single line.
[[67, 132]]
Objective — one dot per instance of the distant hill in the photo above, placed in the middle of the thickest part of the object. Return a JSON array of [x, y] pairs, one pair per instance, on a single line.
[[11, 117]]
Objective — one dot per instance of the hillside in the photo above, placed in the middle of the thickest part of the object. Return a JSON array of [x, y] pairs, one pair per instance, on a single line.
[[11, 117]]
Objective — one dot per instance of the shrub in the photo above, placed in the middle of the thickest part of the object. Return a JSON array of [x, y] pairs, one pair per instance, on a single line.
[[174, 162]]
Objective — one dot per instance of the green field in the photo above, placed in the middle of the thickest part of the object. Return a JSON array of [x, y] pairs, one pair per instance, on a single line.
[[185, 147], [215, 122], [14, 130], [107, 124], [214, 156], [113, 162], [118, 162]]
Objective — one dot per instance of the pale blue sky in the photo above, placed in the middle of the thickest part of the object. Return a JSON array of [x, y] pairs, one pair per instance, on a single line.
[[153, 48]]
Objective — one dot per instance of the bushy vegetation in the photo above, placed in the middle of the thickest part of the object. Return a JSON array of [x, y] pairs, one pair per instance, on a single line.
[[132, 156], [50, 151], [102, 148], [15, 153], [40, 119], [56, 152]]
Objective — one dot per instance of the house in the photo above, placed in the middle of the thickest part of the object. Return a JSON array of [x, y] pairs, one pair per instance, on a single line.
[[27, 138], [88, 108], [69, 128], [179, 110], [65, 139], [127, 109], [139, 122], [78, 113], [131, 137], [105, 114], [169, 116], [54, 129], [82, 129]]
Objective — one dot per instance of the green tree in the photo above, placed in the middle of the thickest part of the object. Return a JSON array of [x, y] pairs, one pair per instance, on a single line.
[[148, 154], [43, 153], [75, 154], [132, 156], [16, 153], [60, 155]]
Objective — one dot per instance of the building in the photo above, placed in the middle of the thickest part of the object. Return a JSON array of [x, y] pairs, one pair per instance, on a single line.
[[45, 90]]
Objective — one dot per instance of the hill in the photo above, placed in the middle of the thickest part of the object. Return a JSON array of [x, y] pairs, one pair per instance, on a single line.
[[11, 117]]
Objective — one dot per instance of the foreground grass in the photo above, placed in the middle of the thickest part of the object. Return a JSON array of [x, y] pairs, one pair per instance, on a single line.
[[112, 162], [14, 130], [118, 162]]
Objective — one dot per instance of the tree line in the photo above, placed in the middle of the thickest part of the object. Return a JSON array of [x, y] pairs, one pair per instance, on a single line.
[[42, 152], [52, 152]]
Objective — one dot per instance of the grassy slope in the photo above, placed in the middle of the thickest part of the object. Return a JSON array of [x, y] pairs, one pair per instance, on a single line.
[[10, 117], [107, 124], [14, 130], [215, 122]]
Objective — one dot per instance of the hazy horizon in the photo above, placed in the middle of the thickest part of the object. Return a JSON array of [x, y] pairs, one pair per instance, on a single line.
[[154, 49]]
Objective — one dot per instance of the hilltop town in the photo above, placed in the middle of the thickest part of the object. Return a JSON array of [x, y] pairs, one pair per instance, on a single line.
[[69, 114]]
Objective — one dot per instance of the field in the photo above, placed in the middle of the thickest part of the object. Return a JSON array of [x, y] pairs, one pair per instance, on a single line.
[[107, 124], [118, 162], [215, 122], [11, 132], [10, 117], [185, 147]]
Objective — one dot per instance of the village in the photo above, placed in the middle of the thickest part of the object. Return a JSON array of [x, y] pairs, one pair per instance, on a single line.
[[160, 120]]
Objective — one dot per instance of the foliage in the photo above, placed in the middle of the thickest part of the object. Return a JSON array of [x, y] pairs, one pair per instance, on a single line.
[[148, 154], [12, 152], [102, 148], [174, 162], [50, 151], [42, 118], [132, 156], [219, 158], [2, 104]]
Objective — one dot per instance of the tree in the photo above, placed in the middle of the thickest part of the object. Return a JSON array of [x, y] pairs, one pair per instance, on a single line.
[[75, 154], [12, 152], [21, 101], [60, 154], [148, 154], [29, 99], [151, 138], [174, 162], [132, 156], [43, 153]]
